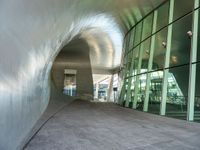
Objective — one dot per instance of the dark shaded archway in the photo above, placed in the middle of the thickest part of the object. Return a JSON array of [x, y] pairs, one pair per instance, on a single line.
[[74, 55]]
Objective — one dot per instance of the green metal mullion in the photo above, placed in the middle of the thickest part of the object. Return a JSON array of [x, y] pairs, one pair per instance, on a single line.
[[137, 78], [122, 94], [167, 60], [141, 49], [150, 64], [193, 56], [196, 4]]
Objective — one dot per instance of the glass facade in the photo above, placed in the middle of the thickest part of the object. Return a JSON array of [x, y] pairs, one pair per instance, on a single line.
[[181, 42], [155, 91], [182, 7], [161, 54], [160, 50], [163, 14], [138, 33], [147, 27], [177, 92]]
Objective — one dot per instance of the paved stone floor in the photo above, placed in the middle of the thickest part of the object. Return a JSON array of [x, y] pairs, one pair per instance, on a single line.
[[86, 125]]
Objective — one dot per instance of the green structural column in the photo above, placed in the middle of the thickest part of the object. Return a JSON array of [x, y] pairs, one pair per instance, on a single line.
[[193, 56], [128, 96], [141, 49], [146, 101], [167, 60], [137, 77], [122, 74], [123, 91]]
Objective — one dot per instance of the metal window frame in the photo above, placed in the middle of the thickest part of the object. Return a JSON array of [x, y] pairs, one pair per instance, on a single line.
[[150, 64]]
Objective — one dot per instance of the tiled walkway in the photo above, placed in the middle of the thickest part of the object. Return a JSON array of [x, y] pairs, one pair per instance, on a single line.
[[86, 125]]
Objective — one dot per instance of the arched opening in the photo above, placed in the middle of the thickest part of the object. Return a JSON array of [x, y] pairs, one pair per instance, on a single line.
[[73, 66]]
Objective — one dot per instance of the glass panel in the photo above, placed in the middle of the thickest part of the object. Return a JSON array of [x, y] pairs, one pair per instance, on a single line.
[[138, 34], [163, 16], [137, 13], [132, 89], [155, 92], [145, 8], [125, 60], [155, 3], [160, 50], [127, 42], [122, 74], [126, 70], [131, 39], [125, 91], [136, 59], [124, 66], [177, 92], [145, 57], [182, 7], [181, 42], [141, 91], [129, 63], [197, 96], [132, 64], [147, 27]]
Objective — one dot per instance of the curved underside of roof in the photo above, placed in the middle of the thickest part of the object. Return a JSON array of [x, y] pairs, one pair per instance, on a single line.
[[49, 24]]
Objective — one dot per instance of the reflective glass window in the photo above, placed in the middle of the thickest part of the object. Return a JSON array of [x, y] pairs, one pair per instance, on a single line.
[[129, 62], [141, 91], [133, 87], [145, 47], [147, 26], [155, 92], [163, 16], [132, 35], [177, 92], [127, 43], [138, 34], [136, 59], [181, 41], [182, 7], [125, 90], [160, 49]]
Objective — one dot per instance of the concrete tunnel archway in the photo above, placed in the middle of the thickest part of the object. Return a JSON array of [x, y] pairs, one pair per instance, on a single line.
[[25, 85], [75, 55], [32, 33]]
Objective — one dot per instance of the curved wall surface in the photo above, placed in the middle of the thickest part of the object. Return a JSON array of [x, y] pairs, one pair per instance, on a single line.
[[31, 35]]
